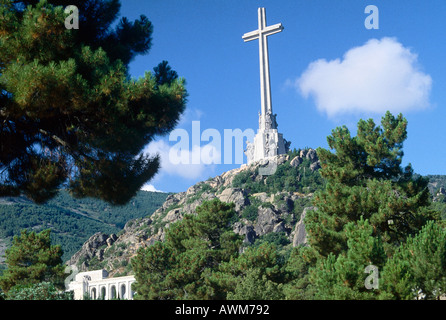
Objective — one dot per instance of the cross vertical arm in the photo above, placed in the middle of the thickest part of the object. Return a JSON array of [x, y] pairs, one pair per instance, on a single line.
[[261, 34]]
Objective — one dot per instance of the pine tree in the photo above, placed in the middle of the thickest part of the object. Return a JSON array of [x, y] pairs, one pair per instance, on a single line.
[[256, 274], [369, 208], [70, 115], [365, 180], [32, 259], [164, 73], [255, 286], [418, 269], [180, 267], [344, 276], [298, 285]]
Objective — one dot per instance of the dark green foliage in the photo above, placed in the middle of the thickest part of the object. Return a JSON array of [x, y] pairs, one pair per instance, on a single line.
[[38, 291], [286, 178], [245, 179], [195, 246], [250, 212], [297, 266], [256, 274], [299, 205], [70, 115], [164, 73], [279, 239], [32, 259], [342, 276], [72, 220], [295, 179], [440, 207], [418, 268], [201, 259], [365, 180], [370, 206]]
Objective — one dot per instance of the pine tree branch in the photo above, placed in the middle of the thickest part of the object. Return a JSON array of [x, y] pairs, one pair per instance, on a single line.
[[55, 138]]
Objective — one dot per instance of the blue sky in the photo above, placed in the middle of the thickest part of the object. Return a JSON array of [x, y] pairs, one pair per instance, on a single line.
[[327, 70]]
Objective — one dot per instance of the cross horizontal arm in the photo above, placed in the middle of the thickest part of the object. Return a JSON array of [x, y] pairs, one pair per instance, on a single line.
[[272, 29], [253, 35]]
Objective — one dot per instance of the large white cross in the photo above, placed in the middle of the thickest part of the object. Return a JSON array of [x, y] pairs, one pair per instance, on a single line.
[[262, 33]]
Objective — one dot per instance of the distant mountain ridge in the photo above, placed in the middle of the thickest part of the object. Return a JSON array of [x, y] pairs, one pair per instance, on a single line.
[[73, 221]]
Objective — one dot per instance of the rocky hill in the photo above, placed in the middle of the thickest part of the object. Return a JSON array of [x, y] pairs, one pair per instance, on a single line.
[[269, 205]]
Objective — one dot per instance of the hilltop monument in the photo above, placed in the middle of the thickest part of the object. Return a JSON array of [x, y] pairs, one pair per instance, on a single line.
[[267, 142]]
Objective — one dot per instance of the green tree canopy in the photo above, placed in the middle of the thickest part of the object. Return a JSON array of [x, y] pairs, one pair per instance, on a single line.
[[70, 115], [368, 209], [38, 291], [180, 267], [343, 276], [32, 259], [256, 274], [418, 269], [365, 180]]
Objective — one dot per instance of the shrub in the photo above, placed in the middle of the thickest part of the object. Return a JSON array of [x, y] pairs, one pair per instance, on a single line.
[[250, 212], [39, 291]]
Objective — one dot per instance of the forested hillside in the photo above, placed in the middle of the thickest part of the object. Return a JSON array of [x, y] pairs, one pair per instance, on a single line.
[[72, 220], [436, 182]]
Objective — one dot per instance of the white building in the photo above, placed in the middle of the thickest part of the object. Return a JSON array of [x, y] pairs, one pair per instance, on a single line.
[[98, 286]]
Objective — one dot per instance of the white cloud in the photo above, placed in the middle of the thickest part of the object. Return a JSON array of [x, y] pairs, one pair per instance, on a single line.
[[381, 75], [189, 164], [150, 187], [189, 115]]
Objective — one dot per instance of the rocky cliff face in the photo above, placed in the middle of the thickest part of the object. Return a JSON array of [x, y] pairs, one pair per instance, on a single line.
[[258, 214]]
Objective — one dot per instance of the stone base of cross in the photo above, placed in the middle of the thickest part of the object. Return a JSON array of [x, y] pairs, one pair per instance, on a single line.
[[267, 143]]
